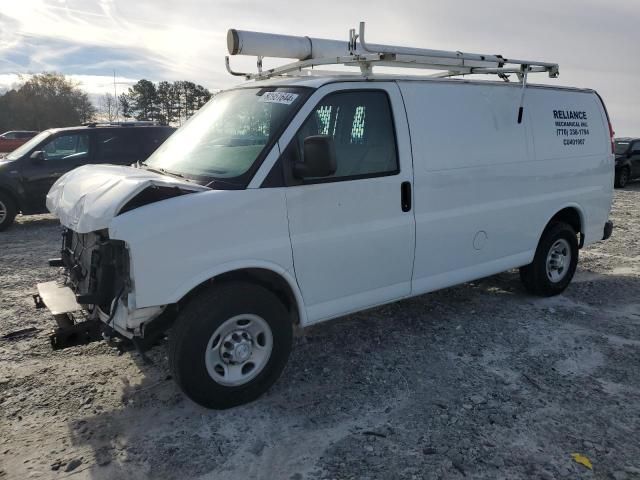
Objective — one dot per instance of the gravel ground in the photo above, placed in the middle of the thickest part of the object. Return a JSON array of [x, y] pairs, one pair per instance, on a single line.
[[476, 381]]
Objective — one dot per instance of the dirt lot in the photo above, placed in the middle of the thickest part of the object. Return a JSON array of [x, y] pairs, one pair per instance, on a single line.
[[476, 381]]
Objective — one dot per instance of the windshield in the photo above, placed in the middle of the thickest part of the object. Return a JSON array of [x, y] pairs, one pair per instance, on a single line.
[[25, 147], [226, 137], [622, 147]]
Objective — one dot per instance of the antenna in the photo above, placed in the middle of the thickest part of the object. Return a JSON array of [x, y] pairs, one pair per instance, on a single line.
[[115, 94]]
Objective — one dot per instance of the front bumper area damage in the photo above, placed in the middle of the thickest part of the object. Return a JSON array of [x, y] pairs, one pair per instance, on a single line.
[[61, 302], [94, 296]]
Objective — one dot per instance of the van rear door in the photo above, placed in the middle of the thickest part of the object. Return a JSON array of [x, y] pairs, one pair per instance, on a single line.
[[352, 233]]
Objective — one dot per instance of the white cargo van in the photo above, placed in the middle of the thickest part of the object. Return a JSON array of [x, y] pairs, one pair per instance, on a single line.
[[296, 198]]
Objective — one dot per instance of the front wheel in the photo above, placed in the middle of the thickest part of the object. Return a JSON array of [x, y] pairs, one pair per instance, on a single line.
[[554, 263], [7, 211], [230, 344]]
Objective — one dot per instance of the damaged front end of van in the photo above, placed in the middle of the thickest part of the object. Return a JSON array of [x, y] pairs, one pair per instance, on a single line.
[[94, 295], [137, 240]]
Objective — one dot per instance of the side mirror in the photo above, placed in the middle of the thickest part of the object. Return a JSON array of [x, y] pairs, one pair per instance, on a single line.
[[37, 156], [319, 158]]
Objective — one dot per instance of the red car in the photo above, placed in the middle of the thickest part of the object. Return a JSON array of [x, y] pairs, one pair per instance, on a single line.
[[9, 141]]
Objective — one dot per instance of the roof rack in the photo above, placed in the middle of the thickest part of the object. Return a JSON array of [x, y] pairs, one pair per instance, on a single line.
[[136, 123], [313, 52]]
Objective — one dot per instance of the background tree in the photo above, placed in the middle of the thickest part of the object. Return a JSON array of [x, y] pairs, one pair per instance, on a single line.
[[125, 105], [45, 101], [171, 103], [85, 109], [168, 110], [51, 100], [108, 107], [144, 100]]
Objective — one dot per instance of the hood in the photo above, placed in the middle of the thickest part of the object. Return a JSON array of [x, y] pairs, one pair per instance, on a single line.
[[86, 199], [4, 162]]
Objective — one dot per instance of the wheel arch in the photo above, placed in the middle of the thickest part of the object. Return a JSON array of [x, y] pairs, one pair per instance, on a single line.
[[13, 196], [625, 164], [272, 277], [571, 214]]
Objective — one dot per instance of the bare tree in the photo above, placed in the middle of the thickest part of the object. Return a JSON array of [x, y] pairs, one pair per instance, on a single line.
[[108, 107]]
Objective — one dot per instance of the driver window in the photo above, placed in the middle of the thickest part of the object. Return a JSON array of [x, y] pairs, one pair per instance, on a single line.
[[67, 147], [362, 128]]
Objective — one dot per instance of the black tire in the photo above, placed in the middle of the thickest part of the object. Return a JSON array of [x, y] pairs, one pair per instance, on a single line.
[[8, 211], [622, 177], [534, 276], [194, 328]]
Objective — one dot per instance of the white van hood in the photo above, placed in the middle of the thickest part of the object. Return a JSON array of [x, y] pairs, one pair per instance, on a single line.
[[87, 198]]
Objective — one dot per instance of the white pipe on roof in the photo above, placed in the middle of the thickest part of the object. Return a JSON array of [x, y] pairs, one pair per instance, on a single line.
[[244, 42]]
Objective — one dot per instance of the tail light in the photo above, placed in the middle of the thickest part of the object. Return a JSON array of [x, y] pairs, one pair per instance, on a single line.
[[612, 135], [611, 132]]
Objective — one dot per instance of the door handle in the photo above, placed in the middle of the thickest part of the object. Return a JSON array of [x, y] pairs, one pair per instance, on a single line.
[[405, 196]]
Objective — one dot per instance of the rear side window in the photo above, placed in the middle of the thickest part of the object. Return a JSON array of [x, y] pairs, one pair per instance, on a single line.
[[152, 138], [622, 147], [117, 145], [73, 146], [361, 125]]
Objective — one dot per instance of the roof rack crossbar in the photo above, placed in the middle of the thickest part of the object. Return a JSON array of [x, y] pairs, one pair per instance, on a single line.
[[126, 123], [365, 56]]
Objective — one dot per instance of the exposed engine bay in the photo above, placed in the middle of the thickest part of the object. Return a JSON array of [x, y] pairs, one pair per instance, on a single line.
[[97, 268]]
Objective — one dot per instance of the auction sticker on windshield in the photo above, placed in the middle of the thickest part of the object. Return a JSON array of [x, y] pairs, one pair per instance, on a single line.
[[278, 97]]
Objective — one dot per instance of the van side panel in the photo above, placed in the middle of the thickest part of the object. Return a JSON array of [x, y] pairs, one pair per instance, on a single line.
[[482, 196], [579, 148]]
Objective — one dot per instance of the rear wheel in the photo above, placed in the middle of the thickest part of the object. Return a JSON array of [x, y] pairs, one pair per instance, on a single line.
[[554, 263], [7, 211], [230, 344], [622, 177]]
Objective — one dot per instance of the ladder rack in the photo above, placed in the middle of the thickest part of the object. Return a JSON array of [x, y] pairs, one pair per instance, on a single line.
[[357, 52]]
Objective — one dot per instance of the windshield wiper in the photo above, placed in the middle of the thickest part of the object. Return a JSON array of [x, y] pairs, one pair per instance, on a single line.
[[164, 171], [212, 184]]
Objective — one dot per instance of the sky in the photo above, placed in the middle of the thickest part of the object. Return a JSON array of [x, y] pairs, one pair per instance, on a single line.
[[596, 42]]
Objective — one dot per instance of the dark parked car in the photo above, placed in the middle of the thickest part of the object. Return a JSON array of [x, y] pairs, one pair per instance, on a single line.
[[627, 160], [9, 141], [27, 173]]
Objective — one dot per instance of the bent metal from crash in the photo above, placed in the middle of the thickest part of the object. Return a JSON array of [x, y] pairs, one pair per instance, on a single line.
[[293, 199]]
